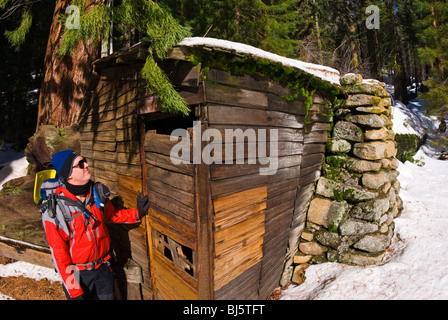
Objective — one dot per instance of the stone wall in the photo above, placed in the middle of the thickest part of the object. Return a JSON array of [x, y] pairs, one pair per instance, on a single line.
[[350, 218]]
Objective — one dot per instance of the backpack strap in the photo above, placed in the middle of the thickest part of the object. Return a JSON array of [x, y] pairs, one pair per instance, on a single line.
[[76, 203], [100, 195]]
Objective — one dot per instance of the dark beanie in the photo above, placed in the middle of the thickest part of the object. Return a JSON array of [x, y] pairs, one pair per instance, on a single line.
[[63, 163]]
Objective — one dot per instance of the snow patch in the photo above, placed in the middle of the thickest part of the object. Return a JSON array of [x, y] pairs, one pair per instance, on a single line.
[[13, 164], [28, 270]]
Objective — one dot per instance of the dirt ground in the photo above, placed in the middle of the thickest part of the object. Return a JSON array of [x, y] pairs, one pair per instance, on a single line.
[[20, 218]]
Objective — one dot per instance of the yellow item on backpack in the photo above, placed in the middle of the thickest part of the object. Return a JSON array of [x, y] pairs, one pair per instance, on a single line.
[[41, 177]]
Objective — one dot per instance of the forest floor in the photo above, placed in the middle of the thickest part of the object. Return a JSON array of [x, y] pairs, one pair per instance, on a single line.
[[20, 220], [25, 288]]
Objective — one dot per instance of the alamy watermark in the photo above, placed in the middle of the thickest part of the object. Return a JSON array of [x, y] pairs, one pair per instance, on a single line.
[[373, 21], [220, 148], [72, 21]]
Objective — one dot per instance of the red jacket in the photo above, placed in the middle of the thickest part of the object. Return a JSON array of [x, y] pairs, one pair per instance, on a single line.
[[75, 245]]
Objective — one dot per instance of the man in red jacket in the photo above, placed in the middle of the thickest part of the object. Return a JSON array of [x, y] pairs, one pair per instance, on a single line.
[[76, 230]]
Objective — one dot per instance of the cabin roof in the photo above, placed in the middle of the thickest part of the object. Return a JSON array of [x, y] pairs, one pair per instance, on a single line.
[[325, 73], [138, 52]]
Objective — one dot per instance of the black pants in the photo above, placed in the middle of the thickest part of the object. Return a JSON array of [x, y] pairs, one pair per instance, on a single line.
[[97, 284]]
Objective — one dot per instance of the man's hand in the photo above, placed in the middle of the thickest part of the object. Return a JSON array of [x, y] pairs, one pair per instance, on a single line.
[[142, 206]]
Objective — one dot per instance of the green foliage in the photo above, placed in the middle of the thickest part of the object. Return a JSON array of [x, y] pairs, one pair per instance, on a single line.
[[17, 37], [433, 51], [21, 71], [152, 22], [93, 25], [270, 25], [160, 85], [436, 98]]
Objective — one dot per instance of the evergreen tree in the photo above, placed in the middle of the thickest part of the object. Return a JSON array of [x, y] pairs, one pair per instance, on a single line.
[[269, 24], [150, 20], [433, 52], [22, 67], [71, 51]]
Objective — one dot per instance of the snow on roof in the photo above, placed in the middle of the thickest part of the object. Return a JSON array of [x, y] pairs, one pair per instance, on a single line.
[[325, 73]]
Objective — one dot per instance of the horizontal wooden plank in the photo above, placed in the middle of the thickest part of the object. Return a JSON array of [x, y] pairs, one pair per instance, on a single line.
[[19, 250], [224, 187], [277, 103], [231, 240], [229, 267], [126, 122], [161, 144], [287, 196], [245, 81], [312, 159], [104, 174], [235, 208], [133, 170], [128, 189], [170, 204], [221, 114], [131, 146], [284, 174], [165, 162], [97, 127], [243, 287], [128, 158], [224, 171], [166, 273], [182, 196], [286, 120], [105, 156], [235, 96], [237, 248], [174, 226], [177, 180], [310, 174], [104, 146], [104, 136], [312, 148], [315, 137]]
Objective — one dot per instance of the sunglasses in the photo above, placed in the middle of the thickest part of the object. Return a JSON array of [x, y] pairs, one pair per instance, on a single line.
[[81, 163]]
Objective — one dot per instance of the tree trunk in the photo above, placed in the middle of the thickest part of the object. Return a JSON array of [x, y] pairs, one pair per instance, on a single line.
[[354, 59], [401, 76], [319, 40], [65, 80], [374, 52]]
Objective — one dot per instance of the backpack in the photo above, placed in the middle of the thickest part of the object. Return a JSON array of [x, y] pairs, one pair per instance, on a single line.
[[50, 202]]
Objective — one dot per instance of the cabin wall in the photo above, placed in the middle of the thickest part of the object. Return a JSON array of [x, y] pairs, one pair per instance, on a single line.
[[173, 221], [257, 218]]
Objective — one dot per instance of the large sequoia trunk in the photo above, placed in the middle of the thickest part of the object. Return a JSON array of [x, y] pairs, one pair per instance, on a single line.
[[65, 80]]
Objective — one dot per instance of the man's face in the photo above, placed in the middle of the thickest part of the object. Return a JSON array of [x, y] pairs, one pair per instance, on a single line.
[[80, 172]]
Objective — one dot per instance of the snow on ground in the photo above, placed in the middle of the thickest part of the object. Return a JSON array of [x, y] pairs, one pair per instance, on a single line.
[[20, 268], [411, 119], [26, 270], [417, 266], [13, 164]]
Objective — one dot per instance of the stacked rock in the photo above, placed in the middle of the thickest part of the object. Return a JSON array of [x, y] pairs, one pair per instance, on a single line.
[[350, 218]]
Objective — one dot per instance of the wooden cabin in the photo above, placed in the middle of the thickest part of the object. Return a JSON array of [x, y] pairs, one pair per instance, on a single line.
[[217, 230]]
